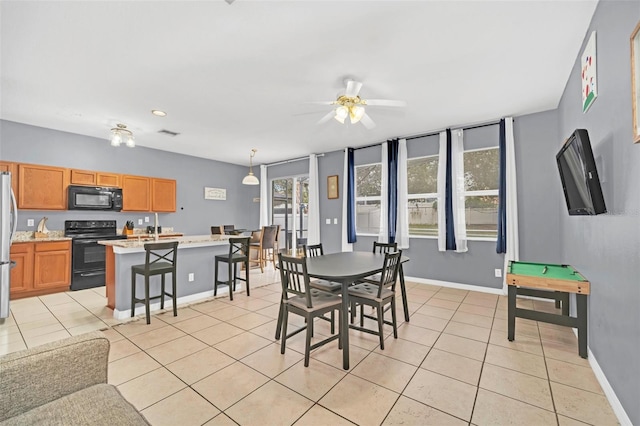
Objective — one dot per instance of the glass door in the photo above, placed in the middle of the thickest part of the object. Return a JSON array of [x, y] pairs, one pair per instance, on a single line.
[[289, 209]]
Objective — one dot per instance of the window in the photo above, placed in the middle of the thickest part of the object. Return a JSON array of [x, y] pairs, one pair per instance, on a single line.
[[481, 175], [422, 183], [290, 209], [368, 198]]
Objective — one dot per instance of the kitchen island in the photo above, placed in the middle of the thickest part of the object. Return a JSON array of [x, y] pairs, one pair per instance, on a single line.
[[195, 256]]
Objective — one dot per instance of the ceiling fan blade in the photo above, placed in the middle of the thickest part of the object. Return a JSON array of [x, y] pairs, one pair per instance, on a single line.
[[385, 102], [367, 122], [353, 88], [327, 117]]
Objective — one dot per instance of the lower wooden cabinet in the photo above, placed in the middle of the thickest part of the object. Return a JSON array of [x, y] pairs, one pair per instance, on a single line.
[[41, 268]]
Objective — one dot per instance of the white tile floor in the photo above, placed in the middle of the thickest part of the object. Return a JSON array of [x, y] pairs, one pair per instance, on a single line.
[[217, 363]]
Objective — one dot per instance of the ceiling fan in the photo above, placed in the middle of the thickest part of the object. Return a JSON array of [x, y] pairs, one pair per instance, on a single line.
[[351, 105]]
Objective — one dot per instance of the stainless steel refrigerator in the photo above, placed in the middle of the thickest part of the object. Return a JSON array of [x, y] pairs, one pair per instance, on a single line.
[[8, 224]]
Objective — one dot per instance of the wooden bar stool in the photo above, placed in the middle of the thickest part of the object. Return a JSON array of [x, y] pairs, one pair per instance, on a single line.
[[238, 253], [161, 259]]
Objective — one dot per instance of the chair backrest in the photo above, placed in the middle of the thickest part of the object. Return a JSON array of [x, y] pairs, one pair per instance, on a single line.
[[269, 234], [389, 273], [165, 252], [256, 236], [228, 229], [239, 246], [217, 230], [294, 278], [384, 247], [313, 250]]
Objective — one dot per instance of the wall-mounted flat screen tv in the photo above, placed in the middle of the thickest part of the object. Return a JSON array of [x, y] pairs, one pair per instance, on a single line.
[[579, 176]]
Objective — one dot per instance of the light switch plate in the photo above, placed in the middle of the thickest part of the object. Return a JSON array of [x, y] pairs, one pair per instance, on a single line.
[[498, 273], [146, 219], [328, 221], [30, 222], [335, 220]]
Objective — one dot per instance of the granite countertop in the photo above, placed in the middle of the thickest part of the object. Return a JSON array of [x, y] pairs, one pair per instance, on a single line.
[[28, 237], [190, 240]]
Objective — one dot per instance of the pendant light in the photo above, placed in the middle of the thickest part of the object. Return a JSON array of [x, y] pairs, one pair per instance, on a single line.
[[250, 179]]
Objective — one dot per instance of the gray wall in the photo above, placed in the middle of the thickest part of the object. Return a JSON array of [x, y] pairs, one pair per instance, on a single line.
[[605, 248], [194, 215]]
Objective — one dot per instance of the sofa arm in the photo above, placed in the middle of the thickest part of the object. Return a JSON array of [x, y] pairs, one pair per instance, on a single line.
[[42, 374]]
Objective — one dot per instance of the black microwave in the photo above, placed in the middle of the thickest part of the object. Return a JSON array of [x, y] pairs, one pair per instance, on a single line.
[[94, 198]]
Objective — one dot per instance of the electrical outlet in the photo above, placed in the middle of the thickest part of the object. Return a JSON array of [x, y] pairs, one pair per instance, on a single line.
[[498, 272], [139, 221], [146, 219], [335, 220], [328, 221], [29, 222], [192, 276]]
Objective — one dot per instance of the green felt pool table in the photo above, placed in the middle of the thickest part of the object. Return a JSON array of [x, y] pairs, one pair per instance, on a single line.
[[549, 281]]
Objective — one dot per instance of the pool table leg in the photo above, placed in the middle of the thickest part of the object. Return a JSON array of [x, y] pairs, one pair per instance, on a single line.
[[511, 315], [565, 303], [581, 305]]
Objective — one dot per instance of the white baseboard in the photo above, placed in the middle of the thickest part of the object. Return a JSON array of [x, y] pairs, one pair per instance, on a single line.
[[449, 284]]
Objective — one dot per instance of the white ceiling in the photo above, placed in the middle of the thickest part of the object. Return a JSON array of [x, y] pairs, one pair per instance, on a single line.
[[236, 77]]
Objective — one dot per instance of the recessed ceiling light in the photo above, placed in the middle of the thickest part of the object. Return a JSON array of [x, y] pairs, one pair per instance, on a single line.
[[158, 113]]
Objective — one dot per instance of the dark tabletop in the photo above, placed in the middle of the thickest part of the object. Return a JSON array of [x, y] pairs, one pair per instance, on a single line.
[[348, 266]]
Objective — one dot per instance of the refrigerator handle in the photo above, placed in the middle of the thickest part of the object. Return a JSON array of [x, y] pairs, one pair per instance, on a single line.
[[14, 228]]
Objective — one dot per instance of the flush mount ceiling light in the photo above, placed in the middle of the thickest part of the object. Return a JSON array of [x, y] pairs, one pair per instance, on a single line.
[[120, 133], [158, 113], [250, 179]]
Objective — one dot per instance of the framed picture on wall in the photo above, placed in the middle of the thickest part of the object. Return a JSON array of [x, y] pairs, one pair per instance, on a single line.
[[332, 187], [635, 81], [588, 73]]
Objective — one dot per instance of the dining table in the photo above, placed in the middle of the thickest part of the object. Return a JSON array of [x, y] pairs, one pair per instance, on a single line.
[[346, 268]]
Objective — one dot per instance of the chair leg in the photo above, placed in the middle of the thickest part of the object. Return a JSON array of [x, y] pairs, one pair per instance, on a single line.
[[146, 299], [262, 261], [174, 293], [307, 345], [393, 318], [235, 274], [333, 318], [231, 282], [361, 315], [162, 292], [279, 324], [133, 293], [273, 258], [380, 325], [215, 278], [340, 335], [285, 320], [246, 276]]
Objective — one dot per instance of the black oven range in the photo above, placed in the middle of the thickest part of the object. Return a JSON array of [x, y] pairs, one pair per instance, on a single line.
[[87, 256]]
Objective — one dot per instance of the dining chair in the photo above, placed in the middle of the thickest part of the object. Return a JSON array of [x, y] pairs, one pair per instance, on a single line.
[[299, 298], [160, 259], [228, 229], [217, 230], [323, 285], [378, 295], [238, 253], [266, 245]]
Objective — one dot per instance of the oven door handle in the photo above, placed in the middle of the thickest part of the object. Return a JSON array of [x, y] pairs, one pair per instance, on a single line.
[[85, 241], [92, 274]]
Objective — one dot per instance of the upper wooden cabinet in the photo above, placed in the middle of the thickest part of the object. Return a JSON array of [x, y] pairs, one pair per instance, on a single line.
[[88, 177], [6, 166], [163, 195], [42, 187], [136, 191]]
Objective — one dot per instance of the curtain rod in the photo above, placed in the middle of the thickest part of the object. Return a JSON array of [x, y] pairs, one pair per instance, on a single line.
[[292, 160], [424, 135]]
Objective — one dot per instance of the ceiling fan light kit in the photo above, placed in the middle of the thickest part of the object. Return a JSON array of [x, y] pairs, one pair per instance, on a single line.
[[120, 133], [251, 179]]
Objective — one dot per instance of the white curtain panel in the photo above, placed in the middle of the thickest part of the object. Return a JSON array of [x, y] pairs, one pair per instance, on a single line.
[[313, 227], [457, 189], [513, 242], [402, 220], [442, 176], [264, 197], [345, 185], [383, 235]]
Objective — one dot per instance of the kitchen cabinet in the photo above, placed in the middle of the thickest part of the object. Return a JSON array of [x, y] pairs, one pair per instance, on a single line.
[[6, 166], [136, 191], [41, 268], [88, 177], [163, 195], [42, 187]]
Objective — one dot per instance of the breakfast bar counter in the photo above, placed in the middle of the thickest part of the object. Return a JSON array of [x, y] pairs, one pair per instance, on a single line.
[[195, 261]]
